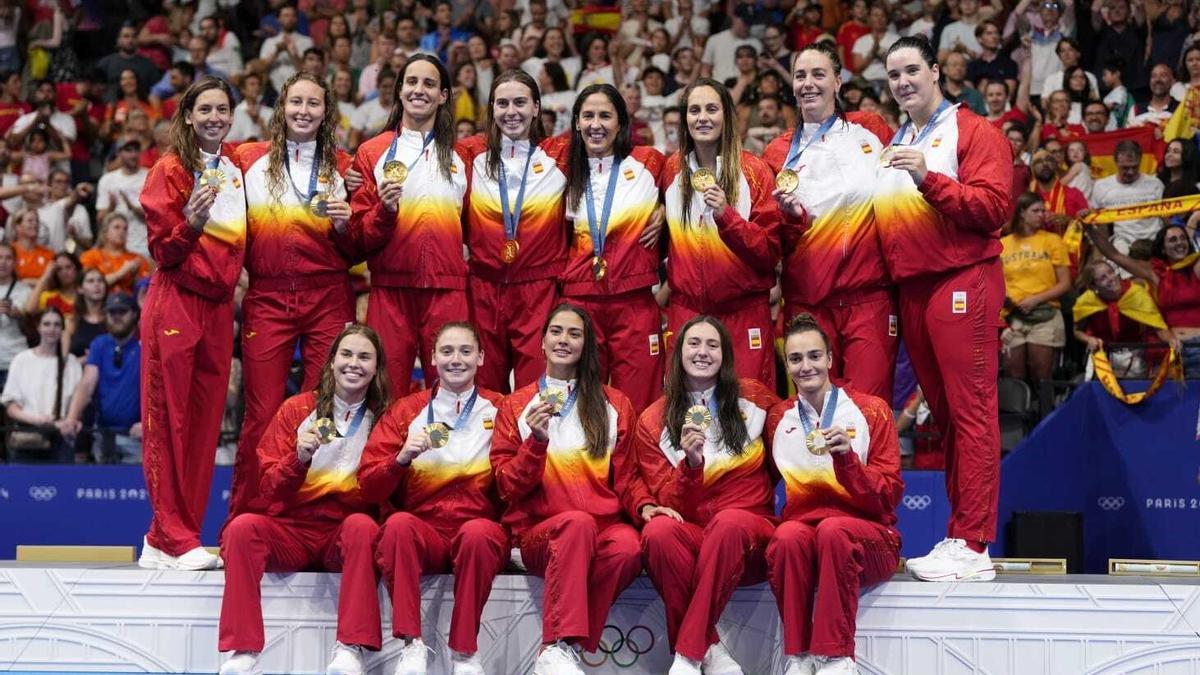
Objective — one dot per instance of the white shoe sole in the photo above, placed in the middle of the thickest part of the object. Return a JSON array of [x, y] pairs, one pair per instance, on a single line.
[[986, 574]]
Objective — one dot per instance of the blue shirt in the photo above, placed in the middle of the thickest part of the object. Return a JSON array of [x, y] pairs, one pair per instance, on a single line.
[[429, 43], [119, 389]]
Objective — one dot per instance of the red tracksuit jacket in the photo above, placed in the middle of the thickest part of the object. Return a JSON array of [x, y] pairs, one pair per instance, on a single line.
[[724, 480], [953, 219], [540, 233], [209, 262], [630, 265], [838, 249], [444, 486], [719, 260], [286, 242], [421, 244], [538, 480], [863, 482], [323, 490]]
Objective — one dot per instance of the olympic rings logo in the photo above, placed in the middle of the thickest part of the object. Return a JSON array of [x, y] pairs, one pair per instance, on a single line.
[[917, 502], [634, 643], [42, 493], [1111, 503]]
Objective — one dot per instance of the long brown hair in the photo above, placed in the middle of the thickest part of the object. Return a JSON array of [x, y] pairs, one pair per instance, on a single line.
[[1024, 201], [729, 150], [443, 122], [377, 394], [728, 391], [326, 140], [536, 131], [579, 172], [183, 140], [590, 401]]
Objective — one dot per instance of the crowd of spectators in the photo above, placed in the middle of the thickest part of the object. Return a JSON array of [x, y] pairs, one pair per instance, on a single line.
[[88, 87]]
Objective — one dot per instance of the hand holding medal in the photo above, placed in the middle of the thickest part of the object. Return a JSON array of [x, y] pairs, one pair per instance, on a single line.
[[704, 181], [307, 442], [907, 159], [538, 419], [416, 444]]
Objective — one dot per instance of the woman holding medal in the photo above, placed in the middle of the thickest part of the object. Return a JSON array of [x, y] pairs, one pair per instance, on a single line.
[[942, 196], [612, 198], [514, 229], [315, 514], [723, 227], [298, 250], [196, 218], [832, 262], [407, 215], [427, 462], [562, 465], [700, 451], [839, 456]]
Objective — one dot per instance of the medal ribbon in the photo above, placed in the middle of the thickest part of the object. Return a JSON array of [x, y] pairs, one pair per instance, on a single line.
[[312, 178], [462, 416], [599, 229], [570, 403], [826, 414], [795, 151], [356, 422], [942, 107], [391, 153], [513, 218]]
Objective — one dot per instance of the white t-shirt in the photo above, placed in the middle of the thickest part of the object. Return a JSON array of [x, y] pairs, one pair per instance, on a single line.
[[960, 31], [700, 26], [282, 69], [561, 102], [54, 220], [921, 26], [227, 57], [721, 50], [346, 112], [108, 197], [32, 380], [12, 339], [243, 128], [63, 123], [1054, 82], [862, 48], [1109, 192], [370, 119]]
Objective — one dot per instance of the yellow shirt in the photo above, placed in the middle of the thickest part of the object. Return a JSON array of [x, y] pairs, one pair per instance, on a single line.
[[1029, 263]]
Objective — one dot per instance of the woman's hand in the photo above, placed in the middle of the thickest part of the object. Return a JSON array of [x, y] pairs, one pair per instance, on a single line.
[[714, 197], [691, 437], [836, 439], [197, 207], [910, 160], [307, 443], [649, 511], [339, 214], [416, 444], [538, 419]]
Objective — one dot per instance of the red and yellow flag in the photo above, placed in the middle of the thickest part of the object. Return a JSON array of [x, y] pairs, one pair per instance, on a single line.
[[1170, 366], [1101, 148], [1186, 119]]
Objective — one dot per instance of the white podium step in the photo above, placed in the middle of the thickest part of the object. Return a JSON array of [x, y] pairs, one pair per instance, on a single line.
[[120, 619]]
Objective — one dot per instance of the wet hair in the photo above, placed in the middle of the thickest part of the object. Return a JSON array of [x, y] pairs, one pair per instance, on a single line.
[[732, 427], [183, 140], [579, 172], [917, 42], [377, 392], [460, 325], [494, 141], [804, 323], [591, 402], [327, 147], [729, 148], [834, 60], [443, 125]]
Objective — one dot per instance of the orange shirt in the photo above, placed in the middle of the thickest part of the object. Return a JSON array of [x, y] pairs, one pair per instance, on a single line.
[[31, 263], [109, 263]]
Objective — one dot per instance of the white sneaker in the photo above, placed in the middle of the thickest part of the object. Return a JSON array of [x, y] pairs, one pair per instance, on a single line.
[[559, 659], [241, 663], [197, 559], [347, 660], [718, 661], [802, 664], [465, 664], [414, 658], [836, 665], [682, 665], [952, 560], [154, 559]]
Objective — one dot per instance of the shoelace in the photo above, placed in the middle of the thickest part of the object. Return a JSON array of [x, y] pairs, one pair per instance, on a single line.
[[416, 648]]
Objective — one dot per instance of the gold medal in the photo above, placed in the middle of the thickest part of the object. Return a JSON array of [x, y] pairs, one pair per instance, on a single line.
[[885, 157], [703, 179], [319, 205], [557, 398], [439, 434], [698, 415], [213, 178], [395, 171], [787, 180], [599, 268], [326, 430], [816, 442], [509, 253]]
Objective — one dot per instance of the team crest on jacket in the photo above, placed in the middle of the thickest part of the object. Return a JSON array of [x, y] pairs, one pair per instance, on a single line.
[[936, 142], [628, 173], [537, 167], [488, 423], [866, 148]]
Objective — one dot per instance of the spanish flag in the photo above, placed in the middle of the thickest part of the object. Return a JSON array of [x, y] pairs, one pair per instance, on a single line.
[[1135, 303], [596, 20], [1101, 147], [1186, 120]]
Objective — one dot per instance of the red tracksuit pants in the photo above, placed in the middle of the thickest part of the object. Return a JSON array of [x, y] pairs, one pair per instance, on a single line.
[[833, 560], [951, 329], [255, 544], [696, 569], [187, 348], [751, 329], [510, 319], [272, 321], [407, 319], [475, 554], [862, 328], [585, 569], [628, 336]]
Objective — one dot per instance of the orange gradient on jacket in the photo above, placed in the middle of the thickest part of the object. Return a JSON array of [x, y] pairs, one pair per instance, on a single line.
[[318, 484], [814, 485], [724, 463], [427, 478], [624, 223]]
